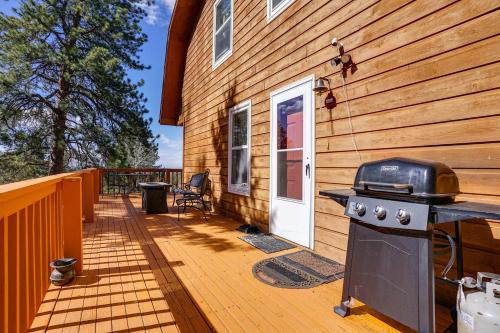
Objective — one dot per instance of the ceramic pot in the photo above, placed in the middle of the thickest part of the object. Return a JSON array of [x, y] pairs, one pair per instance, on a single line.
[[63, 271]]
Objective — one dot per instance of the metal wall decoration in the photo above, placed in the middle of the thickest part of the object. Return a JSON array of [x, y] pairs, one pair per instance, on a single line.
[[320, 87]]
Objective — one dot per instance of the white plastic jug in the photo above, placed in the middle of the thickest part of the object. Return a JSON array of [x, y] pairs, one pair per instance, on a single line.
[[479, 311]]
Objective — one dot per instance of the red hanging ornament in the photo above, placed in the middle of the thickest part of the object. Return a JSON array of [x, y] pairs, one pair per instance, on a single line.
[[330, 101]]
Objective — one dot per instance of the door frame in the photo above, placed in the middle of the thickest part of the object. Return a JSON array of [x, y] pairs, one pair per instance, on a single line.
[[309, 79]]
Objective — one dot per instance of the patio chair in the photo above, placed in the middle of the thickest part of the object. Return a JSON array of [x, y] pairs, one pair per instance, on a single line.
[[190, 188], [116, 184], [194, 199]]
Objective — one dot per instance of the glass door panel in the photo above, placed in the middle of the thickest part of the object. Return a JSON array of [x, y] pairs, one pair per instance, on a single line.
[[290, 174], [290, 123], [289, 150]]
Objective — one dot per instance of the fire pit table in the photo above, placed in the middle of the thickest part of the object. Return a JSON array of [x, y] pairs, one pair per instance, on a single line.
[[395, 208], [154, 197]]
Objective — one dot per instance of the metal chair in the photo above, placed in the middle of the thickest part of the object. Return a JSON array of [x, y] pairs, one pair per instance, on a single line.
[[193, 199], [191, 187], [116, 183]]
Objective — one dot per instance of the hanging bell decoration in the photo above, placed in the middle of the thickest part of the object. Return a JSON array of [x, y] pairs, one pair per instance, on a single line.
[[320, 85]]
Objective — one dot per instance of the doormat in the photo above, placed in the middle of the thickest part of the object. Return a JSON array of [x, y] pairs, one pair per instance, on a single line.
[[299, 270], [267, 243]]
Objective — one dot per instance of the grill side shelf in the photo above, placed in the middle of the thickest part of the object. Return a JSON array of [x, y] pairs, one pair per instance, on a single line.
[[339, 196], [465, 210]]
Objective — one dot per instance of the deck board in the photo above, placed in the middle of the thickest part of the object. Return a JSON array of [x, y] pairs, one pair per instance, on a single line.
[[151, 273]]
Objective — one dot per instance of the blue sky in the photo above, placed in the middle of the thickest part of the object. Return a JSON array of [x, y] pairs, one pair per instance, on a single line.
[[153, 54]]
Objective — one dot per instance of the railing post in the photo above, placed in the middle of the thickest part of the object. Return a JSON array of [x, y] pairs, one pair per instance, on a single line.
[[88, 197], [95, 174], [72, 220], [100, 173]]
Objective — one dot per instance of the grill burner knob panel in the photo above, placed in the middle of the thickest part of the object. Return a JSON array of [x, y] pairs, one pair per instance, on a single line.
[[417, 212], [360, 209], [403, 216], [380, 212]]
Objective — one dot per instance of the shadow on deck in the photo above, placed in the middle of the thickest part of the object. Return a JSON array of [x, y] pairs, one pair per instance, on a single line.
[[152, 273]]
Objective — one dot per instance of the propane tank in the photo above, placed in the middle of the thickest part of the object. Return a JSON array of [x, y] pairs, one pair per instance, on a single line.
[[478, 311]]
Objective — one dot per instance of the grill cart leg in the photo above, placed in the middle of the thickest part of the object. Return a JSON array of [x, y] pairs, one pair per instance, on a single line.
[[426, 309], [343, 310]]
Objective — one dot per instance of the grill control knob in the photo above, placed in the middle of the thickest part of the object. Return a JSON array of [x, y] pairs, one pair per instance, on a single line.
[[403, 216], [360, 209], [379, 212]]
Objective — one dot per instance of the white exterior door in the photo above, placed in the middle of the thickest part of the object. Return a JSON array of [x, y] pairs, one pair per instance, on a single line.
[[292, 169]]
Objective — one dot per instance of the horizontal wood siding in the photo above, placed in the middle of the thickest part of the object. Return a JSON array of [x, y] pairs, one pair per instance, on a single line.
[[426, 86]]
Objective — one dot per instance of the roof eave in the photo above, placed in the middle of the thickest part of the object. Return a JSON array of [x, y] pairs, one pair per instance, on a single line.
[[184, 18]]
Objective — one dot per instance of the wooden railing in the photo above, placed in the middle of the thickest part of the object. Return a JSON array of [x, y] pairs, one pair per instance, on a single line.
[[40, 221], [125, 180]]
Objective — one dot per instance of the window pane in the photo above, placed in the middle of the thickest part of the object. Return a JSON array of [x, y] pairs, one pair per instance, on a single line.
[[222, 13], [290, 174], [276, 3], [240, 128], [239, 166], [290, 123], [222, 41]]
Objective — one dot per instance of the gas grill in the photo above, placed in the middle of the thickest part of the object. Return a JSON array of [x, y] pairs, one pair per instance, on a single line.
[[395, 206]]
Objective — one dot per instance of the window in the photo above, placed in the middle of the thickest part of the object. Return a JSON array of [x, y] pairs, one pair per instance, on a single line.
[[275, 7], [239, 148], [223, 32]]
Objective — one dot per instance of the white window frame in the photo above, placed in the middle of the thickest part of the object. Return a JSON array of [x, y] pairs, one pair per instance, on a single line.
[[240, 189], [225, 56], [272, 14]]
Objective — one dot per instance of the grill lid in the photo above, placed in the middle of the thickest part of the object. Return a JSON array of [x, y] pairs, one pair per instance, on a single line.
[[408, 179]]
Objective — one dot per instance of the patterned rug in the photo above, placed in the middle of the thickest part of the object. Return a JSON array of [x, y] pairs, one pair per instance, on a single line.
[[299, 270], [267, 243]]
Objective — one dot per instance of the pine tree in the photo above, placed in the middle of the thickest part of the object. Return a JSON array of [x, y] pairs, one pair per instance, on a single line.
[[65, 98]]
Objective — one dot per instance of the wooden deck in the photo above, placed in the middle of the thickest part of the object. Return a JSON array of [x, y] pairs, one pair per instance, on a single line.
[[152, 273]]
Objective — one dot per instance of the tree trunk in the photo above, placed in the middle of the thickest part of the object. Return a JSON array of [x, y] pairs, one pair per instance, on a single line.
[[59, 127], [59, 143], [61, 111]]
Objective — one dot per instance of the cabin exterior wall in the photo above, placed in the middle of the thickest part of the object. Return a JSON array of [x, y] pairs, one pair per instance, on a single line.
[[426, 86]]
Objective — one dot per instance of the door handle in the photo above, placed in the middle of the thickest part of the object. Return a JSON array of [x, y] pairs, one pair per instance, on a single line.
[[308, 170]]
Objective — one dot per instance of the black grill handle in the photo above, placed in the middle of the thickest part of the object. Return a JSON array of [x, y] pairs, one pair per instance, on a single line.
[[387, 187]]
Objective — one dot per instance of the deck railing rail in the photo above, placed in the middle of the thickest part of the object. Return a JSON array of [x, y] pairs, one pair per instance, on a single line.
[[40, 221], [125, 180]]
